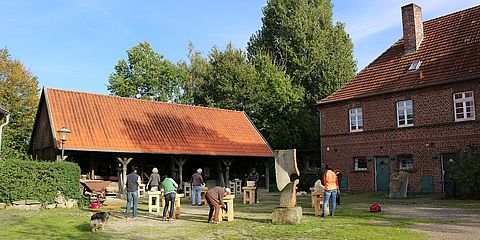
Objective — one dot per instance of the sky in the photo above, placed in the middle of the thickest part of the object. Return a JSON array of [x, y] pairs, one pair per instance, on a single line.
[[75, 44]]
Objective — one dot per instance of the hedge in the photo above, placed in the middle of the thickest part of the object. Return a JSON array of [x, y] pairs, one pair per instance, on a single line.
[[308, 177], [27, 179]]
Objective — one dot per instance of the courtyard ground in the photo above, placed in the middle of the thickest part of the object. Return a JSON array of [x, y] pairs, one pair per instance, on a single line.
[[417, 217]]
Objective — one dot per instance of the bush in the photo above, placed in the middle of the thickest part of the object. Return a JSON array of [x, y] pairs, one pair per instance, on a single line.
[[308, 177], [466, 171], [27, 179]]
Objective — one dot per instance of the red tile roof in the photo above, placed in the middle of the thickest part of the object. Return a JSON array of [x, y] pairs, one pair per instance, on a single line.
[[450, 51], [117, 124]]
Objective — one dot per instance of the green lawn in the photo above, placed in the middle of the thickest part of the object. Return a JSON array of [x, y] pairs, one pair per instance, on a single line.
[[352, 221]]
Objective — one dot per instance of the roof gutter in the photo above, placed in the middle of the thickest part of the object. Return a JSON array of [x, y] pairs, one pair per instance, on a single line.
[[1, 130]]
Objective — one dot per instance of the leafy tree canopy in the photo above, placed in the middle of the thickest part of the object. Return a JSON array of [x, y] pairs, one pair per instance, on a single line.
[[317, 55], [19, 95], [145, 74], [228, 79], [300, 36]]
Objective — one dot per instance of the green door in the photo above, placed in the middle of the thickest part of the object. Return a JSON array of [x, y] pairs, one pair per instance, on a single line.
[[382, 173], [427, 184]]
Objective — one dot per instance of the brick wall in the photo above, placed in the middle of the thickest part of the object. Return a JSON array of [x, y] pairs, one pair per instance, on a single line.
[[434, 133]]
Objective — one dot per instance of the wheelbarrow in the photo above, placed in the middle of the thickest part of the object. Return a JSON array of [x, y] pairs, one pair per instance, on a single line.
[[95, 189]]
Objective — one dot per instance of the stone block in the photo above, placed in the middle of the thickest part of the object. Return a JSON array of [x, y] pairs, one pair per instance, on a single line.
[[19, 207], [71, 203], [61, 205], [2, 206], [35, 207], [50, 206], [287, 215]]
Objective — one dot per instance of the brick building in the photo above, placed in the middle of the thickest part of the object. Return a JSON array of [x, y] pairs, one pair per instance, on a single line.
[[412, 107]]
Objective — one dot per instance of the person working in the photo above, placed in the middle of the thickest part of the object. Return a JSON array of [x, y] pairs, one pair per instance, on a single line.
[[214, 199], [253, 176], [330, 181], [170, 190]]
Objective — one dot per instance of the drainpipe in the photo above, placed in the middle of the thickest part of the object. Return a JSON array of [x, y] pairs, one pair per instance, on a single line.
[[1, 130]]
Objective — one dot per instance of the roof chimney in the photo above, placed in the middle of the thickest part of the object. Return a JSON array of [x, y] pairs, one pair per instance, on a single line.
[[412, 27]]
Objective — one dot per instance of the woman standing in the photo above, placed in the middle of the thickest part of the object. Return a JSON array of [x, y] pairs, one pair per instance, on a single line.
[[154, 181], [330, 181]]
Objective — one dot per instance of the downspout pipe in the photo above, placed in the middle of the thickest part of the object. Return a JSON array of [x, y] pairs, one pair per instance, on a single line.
[[1, 130]]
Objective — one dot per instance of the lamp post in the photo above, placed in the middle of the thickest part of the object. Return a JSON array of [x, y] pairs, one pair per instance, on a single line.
[[63, 135]]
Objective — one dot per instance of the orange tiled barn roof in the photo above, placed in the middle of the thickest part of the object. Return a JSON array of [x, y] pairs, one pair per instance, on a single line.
[[450, 51], [117, 124]]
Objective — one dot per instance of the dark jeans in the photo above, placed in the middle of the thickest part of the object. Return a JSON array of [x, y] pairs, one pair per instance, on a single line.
[[132, 196], [169, 199]]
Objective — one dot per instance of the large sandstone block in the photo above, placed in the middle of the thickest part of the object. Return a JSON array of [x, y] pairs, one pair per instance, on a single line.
[[35, 207], [287, 215]]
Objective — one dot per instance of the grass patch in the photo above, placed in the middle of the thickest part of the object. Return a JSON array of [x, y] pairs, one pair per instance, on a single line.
[[352, 221]]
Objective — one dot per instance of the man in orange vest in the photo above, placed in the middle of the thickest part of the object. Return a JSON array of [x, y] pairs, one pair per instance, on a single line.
[[330, 181]]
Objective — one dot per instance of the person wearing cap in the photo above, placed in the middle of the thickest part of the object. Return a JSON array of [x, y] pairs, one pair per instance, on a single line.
[[196, 185], [214, 199]]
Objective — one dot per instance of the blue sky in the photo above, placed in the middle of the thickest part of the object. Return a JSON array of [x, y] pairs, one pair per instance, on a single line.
[[74, 45]]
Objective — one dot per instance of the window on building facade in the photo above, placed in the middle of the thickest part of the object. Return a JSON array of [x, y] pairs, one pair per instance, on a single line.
[[406, 162], [356, 120], [464, 106], [360, 163], [405, 113]]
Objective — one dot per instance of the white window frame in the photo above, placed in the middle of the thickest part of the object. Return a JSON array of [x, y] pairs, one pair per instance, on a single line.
[[402, 113], [464, 101], [357, 114], [356, 164], [404, 165]]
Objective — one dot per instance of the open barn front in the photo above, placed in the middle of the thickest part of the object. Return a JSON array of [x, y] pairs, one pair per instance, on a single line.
[[217, 170]]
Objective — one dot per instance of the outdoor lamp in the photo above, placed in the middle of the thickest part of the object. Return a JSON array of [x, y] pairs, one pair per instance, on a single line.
[[63, 135]]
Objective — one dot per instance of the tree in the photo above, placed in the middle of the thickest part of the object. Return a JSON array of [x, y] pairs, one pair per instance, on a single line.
[[147, 75], [19, 95], [315, 53], [466, 170], [227, 79]]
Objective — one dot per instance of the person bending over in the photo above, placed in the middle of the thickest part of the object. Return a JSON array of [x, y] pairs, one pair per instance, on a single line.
[[214, 199]]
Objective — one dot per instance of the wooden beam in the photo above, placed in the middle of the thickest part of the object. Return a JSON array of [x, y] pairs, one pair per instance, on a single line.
[[124, 161], [91, 170], [268, 163], [180, 161], [221, 179], [227, 163]]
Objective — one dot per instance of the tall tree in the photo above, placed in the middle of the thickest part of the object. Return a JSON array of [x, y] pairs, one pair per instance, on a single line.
[[227, 79], [317, 54], [19, 95], [147, 75]]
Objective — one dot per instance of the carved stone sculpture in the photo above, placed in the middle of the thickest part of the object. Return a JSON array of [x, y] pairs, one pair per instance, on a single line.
[[398, 184], [285, 168]]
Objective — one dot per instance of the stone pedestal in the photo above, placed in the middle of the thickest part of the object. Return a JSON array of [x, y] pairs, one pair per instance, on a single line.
[[287, 215]]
